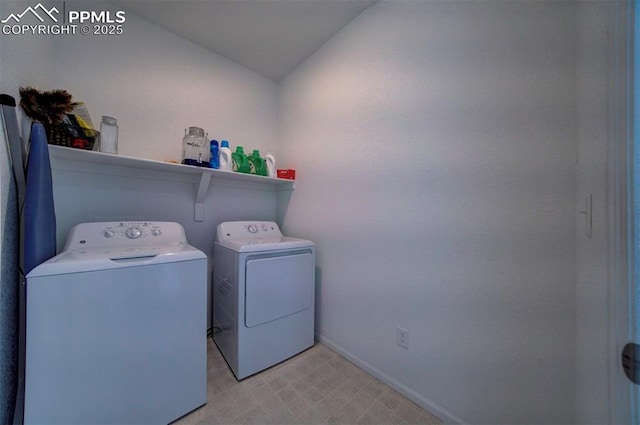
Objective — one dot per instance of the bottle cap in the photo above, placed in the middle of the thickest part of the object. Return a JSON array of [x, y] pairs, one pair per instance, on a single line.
[[239, 149], [109, 120], [224, 144]]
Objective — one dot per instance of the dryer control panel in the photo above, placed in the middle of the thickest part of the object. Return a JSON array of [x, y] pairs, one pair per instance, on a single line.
[[124, 233], [248, 230]]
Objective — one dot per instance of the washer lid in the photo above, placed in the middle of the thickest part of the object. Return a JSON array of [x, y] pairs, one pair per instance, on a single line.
[[251, 236], [106, 258]]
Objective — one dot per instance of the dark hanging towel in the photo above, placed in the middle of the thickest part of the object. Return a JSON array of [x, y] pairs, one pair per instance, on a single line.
[[39, 214]]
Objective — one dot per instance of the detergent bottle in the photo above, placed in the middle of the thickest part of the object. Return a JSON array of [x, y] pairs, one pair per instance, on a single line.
[[256, 164], [224, 156], [270, 162], [240, 161], [215, 159]]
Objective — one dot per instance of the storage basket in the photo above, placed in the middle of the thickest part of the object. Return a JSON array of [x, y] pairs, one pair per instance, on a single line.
[[72, 136]]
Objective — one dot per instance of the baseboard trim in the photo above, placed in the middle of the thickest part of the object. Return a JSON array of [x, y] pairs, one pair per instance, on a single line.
[[445, 415]]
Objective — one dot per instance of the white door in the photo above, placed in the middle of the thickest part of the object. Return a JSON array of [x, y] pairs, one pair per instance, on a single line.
[[631, 353], [625, 213]]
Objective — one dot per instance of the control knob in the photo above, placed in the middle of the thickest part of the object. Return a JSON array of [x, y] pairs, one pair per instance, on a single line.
[[156, 232], [252, 228], [108, 233], [133, 233]]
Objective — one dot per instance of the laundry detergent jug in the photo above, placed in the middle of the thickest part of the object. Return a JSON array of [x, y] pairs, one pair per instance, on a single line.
[[224, 157], [240, 161], [257, 164], [270, 162]]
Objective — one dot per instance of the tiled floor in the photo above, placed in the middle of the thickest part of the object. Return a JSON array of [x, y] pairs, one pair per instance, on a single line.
[[316, 387]]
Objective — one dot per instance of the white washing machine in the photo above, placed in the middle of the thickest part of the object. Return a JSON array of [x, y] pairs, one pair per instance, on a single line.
[[116, 327], [263, 296]]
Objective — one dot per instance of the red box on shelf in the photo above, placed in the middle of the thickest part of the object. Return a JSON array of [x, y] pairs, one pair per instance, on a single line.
[[287, 174]]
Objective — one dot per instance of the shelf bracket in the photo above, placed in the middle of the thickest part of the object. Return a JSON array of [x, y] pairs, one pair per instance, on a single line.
[[203, 188]]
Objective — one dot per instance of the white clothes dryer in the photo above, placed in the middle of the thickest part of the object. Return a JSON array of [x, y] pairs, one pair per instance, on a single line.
[[116, 327], [263, 295]]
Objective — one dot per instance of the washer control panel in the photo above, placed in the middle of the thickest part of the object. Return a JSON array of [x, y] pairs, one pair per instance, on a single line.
[[124, 234], [248, 230]]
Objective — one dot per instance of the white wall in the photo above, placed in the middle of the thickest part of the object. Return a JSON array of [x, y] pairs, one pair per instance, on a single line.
[[435, 148], [24, 60], [157, 84], [592, 384]]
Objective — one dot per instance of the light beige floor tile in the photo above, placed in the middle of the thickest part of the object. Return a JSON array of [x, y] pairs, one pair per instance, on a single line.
[[409, 412], [280, 417], [302, 384], [210, 420], [330, 405], [253, 416], [352, 410], [390, 398], [340, 396], [350, 387], [276, 383], [313, 416], [287, 393], [317, 387], [273, 404], [339, 419], [312, 394], [261, 392], [227, 413], [246, 402], [367, 419], [364, 399], [298, 405], [382, 413], [314, 376], [428, 419]]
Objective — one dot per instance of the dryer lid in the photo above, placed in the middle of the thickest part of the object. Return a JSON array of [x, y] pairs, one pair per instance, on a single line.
[[252, 236]]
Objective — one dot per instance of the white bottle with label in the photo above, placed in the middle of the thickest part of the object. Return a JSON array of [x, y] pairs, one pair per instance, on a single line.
[[109, 135], [271, 164], [225, 156]]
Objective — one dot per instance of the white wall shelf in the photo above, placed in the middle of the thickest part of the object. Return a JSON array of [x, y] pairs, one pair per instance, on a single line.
[[96, 162]]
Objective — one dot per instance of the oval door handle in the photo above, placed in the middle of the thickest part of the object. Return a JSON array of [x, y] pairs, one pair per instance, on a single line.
[[631, 362]]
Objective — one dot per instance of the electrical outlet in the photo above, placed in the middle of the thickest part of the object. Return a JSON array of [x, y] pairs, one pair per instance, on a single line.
[[402, 337]]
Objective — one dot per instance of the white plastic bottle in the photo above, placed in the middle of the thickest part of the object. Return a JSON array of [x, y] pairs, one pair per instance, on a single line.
[[109, 135], [225, 156], [271, 164]]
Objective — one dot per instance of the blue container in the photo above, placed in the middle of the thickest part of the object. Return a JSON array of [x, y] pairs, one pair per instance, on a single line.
[[215, 159]]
